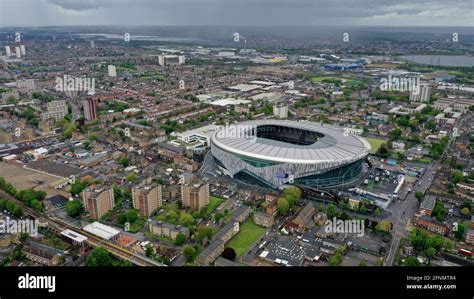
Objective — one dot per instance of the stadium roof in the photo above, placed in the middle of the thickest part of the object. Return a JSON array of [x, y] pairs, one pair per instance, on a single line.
[[334, 146]]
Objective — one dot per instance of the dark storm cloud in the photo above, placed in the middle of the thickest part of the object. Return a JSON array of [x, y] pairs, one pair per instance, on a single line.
[[238, 12]]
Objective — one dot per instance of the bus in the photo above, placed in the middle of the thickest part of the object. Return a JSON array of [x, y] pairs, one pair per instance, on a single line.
[[465, 252]]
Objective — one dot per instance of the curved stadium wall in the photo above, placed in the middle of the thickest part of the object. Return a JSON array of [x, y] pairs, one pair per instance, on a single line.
[[282, 152]]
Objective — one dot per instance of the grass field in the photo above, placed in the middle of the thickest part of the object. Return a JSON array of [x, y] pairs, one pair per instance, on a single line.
[[375, 143], [321, 78], [214, 202], [249, 234]]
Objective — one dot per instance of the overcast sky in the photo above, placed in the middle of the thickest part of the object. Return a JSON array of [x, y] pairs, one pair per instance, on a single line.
[[237, 12]]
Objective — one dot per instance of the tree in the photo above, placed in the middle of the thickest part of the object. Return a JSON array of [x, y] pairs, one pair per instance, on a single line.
[[429, 125], [362, 263], [149, 250], [203, 232], [99, 257], [430, 253], [411, 261], [78, 187], [121, 218], [10, 206], [292, 195], [419, 195], [283, 206], [457, 177], [24, 236], [132, 216], [466, 203], [395, 134], [131, 177], [377, 212], [74, 208], [465, 211], [93, 137], [36, 205], [173, 216], [180, 239], [218, 216], [186, 219], [403, 121], [383, 151], [439, 212], [384, 226], [461, 230], [335, 259], [17, 211], [229, 253], [332, 211], [189, 252], [124, 161]]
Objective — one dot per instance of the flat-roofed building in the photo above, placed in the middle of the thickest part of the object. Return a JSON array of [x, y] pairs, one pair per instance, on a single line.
[[102, 231], [98, 201], [421, 94], [263, 219], [73, 237], [280, 110], [195, 196], [56, 110], [26, 85], [427, 205], [147, 198], [168, 230], [202, 134]]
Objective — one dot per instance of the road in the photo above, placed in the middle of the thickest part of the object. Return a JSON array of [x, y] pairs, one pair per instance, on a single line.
[[403, 211]]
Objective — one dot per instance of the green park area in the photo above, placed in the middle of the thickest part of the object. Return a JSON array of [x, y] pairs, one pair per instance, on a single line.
[[214, 202], [375, 143], [325, 78], [249, 233]]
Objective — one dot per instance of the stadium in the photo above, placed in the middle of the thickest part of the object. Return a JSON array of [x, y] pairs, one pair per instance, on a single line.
[[272, 153]]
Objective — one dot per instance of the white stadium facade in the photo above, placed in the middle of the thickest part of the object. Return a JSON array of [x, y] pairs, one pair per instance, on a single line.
[[272, 153]]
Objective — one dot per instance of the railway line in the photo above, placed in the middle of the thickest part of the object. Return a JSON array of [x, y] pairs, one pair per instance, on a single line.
[[59, 225]]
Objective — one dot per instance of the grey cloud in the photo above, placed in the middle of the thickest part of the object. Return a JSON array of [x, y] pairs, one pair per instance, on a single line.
[[238, 12]]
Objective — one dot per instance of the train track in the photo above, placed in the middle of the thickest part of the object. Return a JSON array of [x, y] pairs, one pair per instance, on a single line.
[[116, 250]]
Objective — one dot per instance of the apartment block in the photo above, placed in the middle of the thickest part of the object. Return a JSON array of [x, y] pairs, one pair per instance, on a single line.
[[195, 196], [56, 110], [168, 230], [98, 201], [147, 198]]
